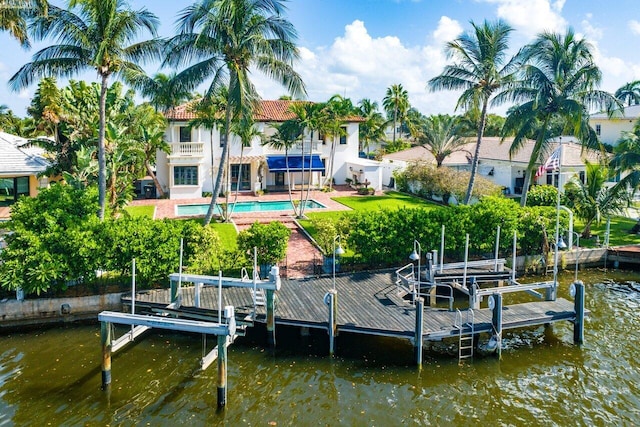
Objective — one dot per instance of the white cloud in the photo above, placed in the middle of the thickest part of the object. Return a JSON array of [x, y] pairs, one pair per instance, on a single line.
[[531, 17], [591, 32], [448, 29], [358, 66], [634, 26], [25, 94]]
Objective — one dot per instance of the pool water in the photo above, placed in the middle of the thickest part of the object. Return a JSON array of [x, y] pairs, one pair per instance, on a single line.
[[244, 207]]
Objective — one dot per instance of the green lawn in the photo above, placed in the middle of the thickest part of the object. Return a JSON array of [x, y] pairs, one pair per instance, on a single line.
[[147, 211], [619, 231], [390, 200], [228, 235]]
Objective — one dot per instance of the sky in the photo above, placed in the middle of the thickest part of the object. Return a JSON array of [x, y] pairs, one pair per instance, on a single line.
[[359, 48]]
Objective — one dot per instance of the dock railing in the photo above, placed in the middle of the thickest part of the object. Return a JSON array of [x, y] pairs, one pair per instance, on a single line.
[[408, 281]]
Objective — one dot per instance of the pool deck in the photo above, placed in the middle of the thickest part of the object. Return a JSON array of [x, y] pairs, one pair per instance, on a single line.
[[302, 255]]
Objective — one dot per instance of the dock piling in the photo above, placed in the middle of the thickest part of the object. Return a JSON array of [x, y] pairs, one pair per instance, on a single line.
[[418, 339], [222, 370], [331, 299], [106, 340], [496, 320], [271, 319], [577, 291]]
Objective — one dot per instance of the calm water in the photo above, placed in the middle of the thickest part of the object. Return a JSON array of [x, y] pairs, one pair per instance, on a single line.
[[52, 377], [240, 207]]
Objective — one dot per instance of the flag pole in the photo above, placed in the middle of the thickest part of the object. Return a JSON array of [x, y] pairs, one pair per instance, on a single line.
[[557, 236]]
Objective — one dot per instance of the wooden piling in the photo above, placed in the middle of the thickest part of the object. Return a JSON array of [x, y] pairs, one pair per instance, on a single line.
[[106, 340], [222, 370], [418, 338], [331, 299], [271, 319], [496, 321], [174, 291], [578, 324]]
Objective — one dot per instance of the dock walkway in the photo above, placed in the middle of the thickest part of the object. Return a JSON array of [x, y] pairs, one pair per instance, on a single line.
[[368, 303]]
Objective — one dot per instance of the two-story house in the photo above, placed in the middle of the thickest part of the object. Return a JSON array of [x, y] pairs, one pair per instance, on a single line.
[[190, 167], [610, 129]]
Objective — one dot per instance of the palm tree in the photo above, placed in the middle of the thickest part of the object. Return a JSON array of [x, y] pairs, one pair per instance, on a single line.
[[479, 70], [372, 128], [246, 131], [442, 137], [629, 93], [626, 159], [559, 83], [286, 135], [593, 199], [225, 38], [338, 109], [93, 34], [311, 117], [163, 90], [14, 15], [396, 104]]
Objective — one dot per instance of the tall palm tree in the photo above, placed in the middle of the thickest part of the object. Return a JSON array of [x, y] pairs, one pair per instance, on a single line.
[[311, 117], [338, 109], [14, 15], [480, 69], [372, 128], [225, 38], [286, 135], [246, 131], [396, 104], [92, 34], [441, 135], [559, 83], [629, 93]]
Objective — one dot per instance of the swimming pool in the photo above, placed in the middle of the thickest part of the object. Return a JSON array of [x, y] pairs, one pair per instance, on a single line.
[[244, 207]]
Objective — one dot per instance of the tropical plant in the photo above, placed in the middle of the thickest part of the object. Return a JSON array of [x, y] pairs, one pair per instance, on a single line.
[[285, 136], [592, 200], [14, 15], [626, 162], [225, 38], [396, 104], [480, 70], [559, 81], [311, 117], [92, 34], [162, 90], [372, 128], [629, 93], [337, 109], [246, 132], [441, 135]]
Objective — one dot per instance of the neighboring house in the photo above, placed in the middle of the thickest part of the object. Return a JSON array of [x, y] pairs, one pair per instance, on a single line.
[[191, 166], [609, 129], [21, 164], [494, 162]]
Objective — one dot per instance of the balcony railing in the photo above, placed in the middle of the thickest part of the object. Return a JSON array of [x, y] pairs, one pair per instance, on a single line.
[[316, 146], [187, 149]]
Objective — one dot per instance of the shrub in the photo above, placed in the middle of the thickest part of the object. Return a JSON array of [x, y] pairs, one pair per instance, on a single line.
[[269, 239], [544, 195]]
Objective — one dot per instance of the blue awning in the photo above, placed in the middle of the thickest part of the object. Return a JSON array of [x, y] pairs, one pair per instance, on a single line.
[[279, 163]]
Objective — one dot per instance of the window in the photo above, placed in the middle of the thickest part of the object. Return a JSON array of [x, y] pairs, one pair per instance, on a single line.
[[343, 135], [324, 166], [185, 175], [598, 130], [245, 180], [185, 134], [552, 178]]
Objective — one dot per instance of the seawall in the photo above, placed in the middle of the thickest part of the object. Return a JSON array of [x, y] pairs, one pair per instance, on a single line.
[[56, 310]]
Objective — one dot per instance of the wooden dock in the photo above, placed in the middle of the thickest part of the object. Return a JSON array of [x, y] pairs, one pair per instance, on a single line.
[[367, 303]]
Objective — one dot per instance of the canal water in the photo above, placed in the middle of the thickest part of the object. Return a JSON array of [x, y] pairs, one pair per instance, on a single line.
[[52, 376]]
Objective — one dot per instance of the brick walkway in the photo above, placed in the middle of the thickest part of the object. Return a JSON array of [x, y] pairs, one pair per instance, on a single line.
[[301, 253]]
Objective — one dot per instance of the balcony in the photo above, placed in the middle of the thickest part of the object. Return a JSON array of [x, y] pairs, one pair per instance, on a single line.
[[186, 149]]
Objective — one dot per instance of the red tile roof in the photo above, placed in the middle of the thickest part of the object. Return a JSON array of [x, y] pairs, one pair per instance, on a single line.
[[267, 111]]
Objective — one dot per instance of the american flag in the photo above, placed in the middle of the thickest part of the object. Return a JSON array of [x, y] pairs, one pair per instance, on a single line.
[[552, 163]]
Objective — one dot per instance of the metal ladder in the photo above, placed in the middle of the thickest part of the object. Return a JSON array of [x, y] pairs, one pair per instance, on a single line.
[[465, 334], [256, 294]]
